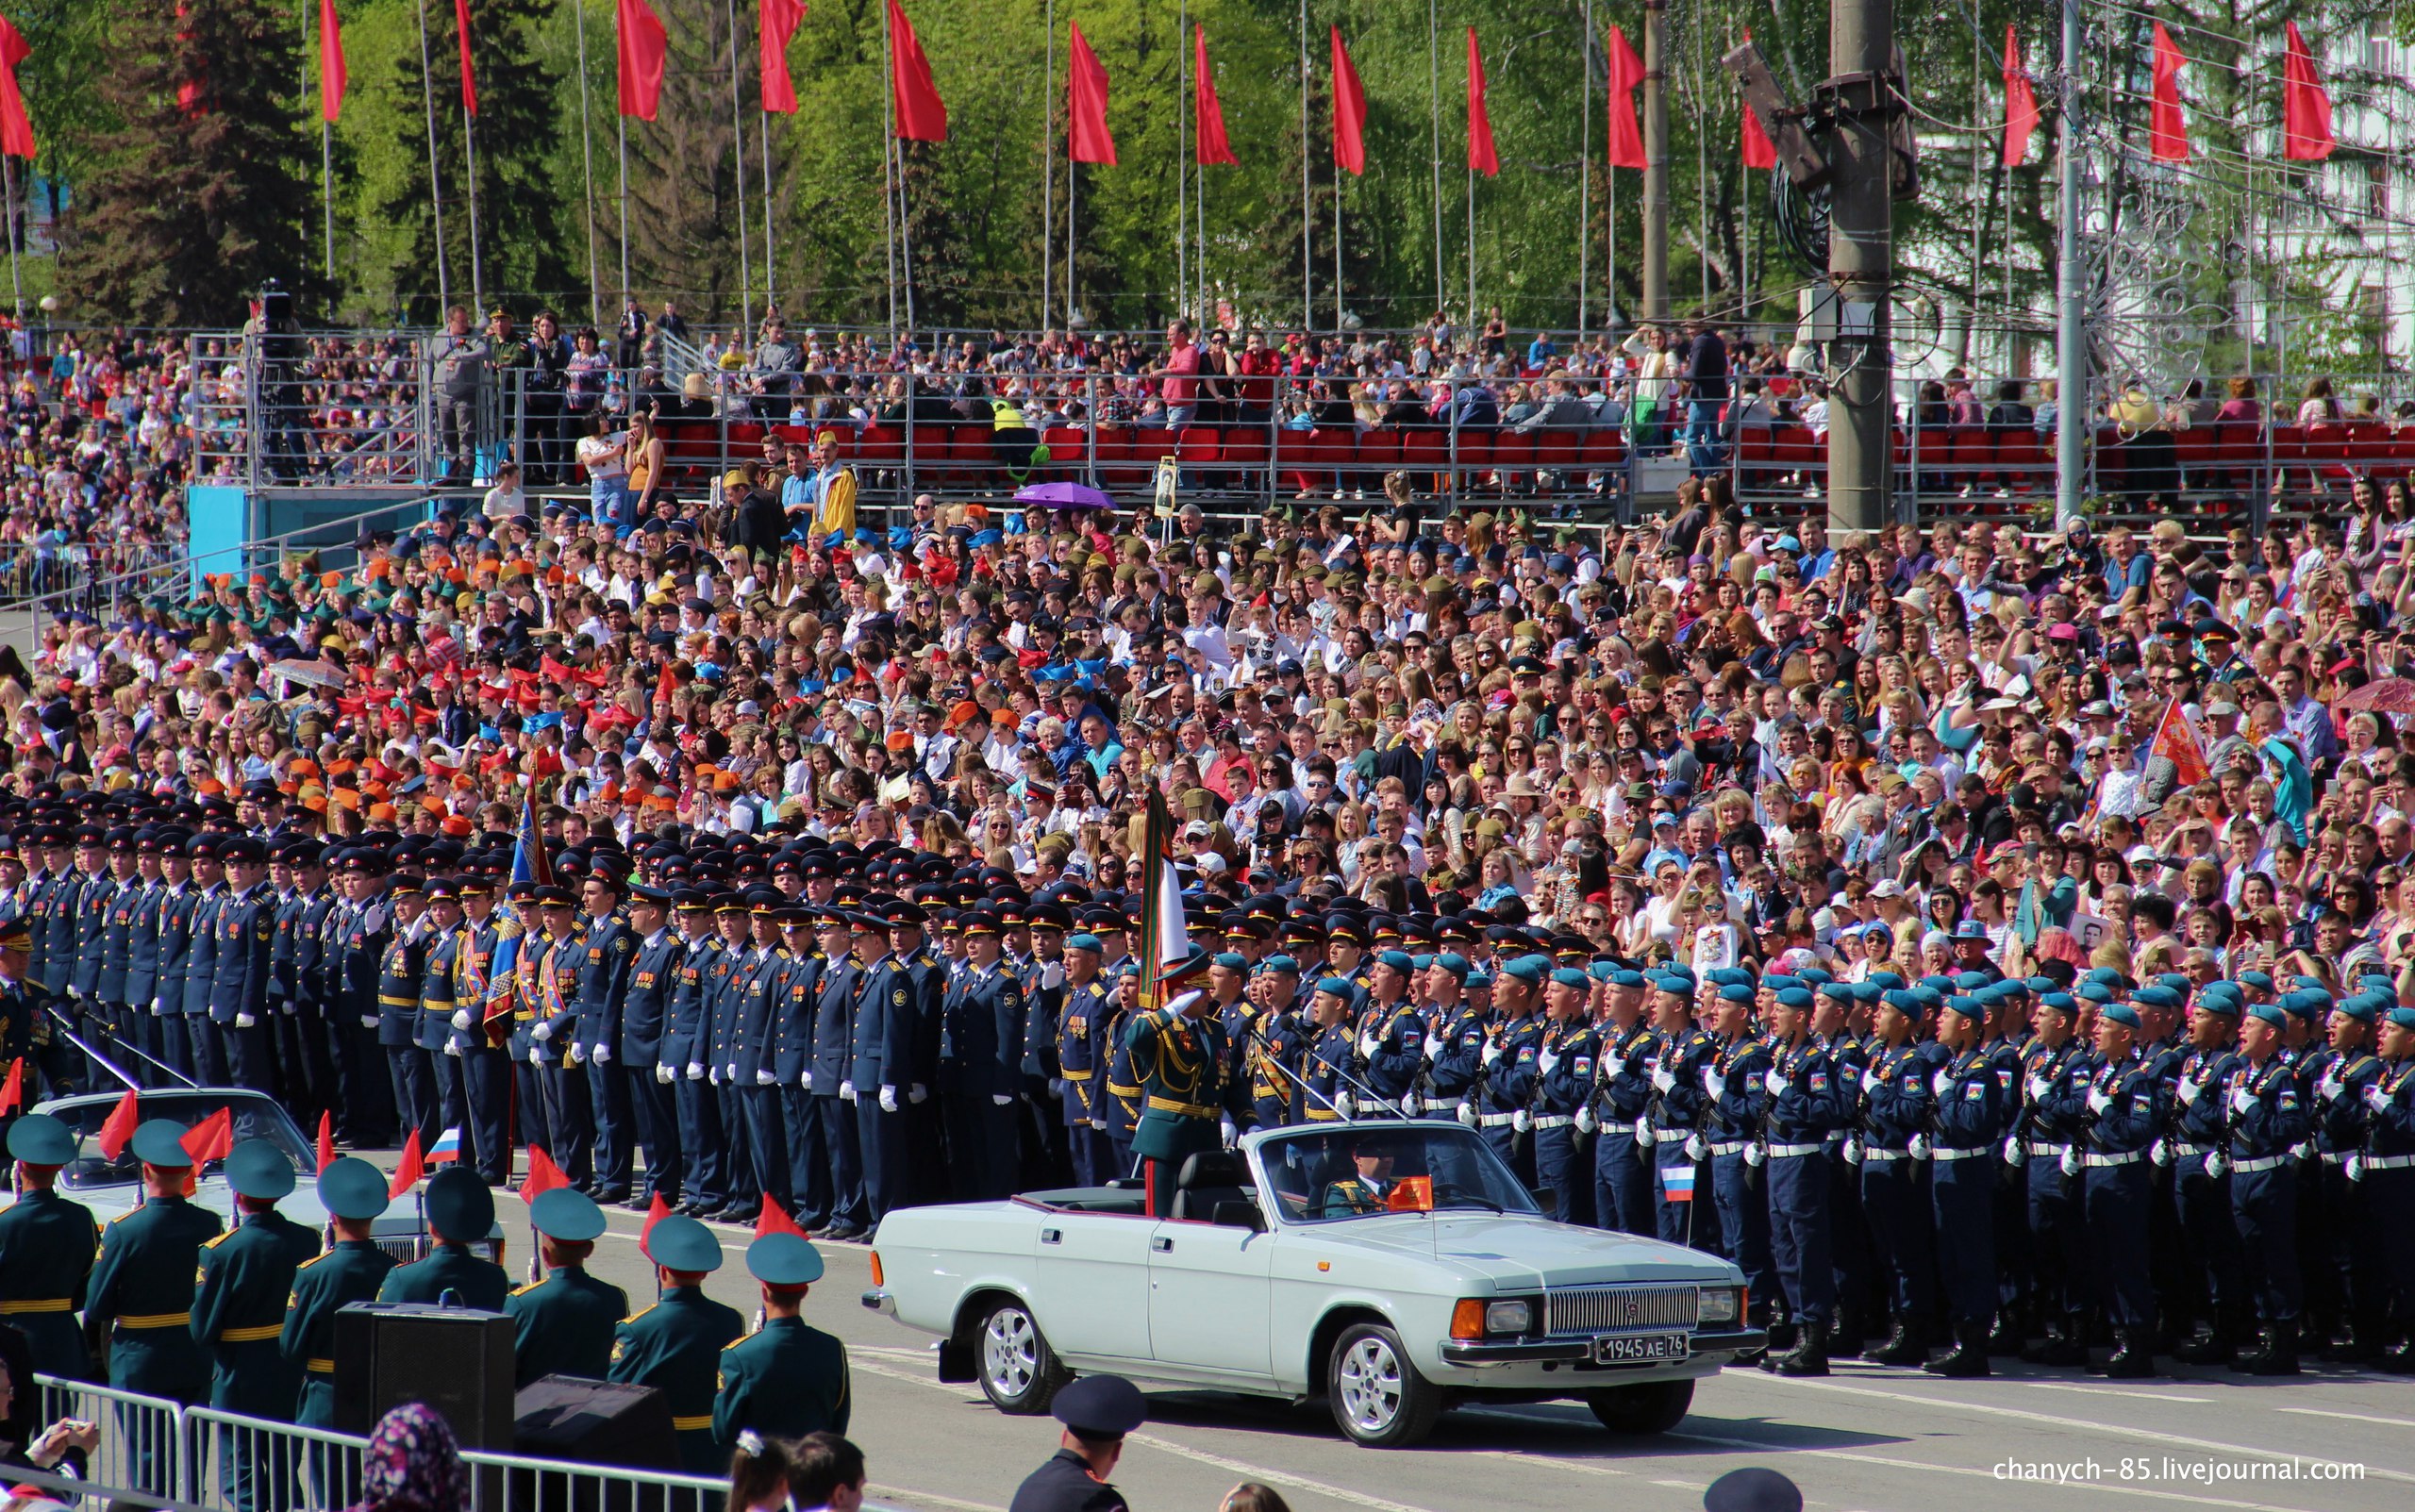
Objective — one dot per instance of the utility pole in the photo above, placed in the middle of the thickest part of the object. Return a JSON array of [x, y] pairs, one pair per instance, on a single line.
[[1656, 160], [1862, 264], [2071, 325]]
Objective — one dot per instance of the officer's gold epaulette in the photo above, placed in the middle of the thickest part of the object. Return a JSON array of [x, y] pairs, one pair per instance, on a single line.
[[640, 1313], [313, 1261], [735, 1342], [218, 1238], [123, 1217], [529, 1287]]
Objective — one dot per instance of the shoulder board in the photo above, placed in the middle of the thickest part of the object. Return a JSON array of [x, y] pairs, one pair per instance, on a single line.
[[735, 1342], [524, 1290], [640, 1313], [218, 1238], [313, 1260]]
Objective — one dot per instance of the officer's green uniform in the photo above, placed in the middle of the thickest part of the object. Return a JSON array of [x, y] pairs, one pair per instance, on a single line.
[[47, 1244], [142, 1288], [676, 1345], [460, 1210], [789, 1378], [246, 1280], [1349, 1197], [1182, 1064], [350, 1272], [563, 1325]]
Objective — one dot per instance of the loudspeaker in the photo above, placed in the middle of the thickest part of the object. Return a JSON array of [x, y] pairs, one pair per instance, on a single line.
[[596, 1423], [458, 1360]]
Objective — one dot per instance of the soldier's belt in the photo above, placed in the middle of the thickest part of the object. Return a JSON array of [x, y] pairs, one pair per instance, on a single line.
[[2097, 1161], [1728, 1147], [156, 1320], [2390, 1162], [320, 1367], [1962, 1154], [1553, 1120], [1880, 1157], [1121, 1090], [1080, 1075], [38, 1304], [699, 1423], [254, 1335], [1188, 1110], [2336, 1158], [2190, 1151], [1789, 1151], [1495, 1121], [397, 1002], [2260, 1163], [2042, 1148]]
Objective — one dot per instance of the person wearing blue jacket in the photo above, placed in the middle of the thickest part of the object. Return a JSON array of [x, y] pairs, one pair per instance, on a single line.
[[2119, 1103], [1966, 1129], [1805, 1094], [1896, 1108], [2267, 1116]]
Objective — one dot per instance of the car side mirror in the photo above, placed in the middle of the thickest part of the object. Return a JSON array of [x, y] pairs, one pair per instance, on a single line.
[[1238, 1212]]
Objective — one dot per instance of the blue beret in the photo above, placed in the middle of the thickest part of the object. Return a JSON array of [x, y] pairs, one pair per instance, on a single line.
[[2403, 1018], [1680, 973], [1795, 997], [1731, 976], [1887, 980], [1819, 978], [1569, 977], [2271, 1013], [1735, 992], [1600, 970], [1526, 969], [2156, 997], [2260, 981], [2224, 1004], [2360, 1007], [1780, 981], [1904, 1001], [1929, 996], [1967, 1006], [2060, 1002], [1232, 960], [1970, 981], [2307, 1002], [1088, 942], [1421, 960], [1455, 963], [1398, 959], [1284, 964], [2043, 983], [2121, 1013], [1338, 986], [1841, 991], [1626, 978], [1479, 979], [2097, 992]]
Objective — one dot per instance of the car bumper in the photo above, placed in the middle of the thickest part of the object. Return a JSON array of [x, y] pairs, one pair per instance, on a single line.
[[881, 1301], [1580, 1351]]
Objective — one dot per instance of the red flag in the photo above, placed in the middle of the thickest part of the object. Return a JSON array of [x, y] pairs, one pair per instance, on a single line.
[[189, 92], [1627, 72], [2167, 128], [780, 18], [644, 46], [331, 71], [1212, 148], [776, 1220], [1756, 146], [326, 1139], [1086, 138], [1482, 159], [2176, 742], [543, 1175], [408, 1173], [922, 115], [469, 82], [2020, 102], [658, 1210], [12, 1095], [119, 1128], [1349, 111], [212, 1138], [16, 129], [2305, 111]]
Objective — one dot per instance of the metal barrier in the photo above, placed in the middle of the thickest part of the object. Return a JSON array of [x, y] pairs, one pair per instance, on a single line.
[[143, 1438]]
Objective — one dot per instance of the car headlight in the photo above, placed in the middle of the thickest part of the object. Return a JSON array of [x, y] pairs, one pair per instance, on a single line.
[[1721, 1304], [1509, 1317]]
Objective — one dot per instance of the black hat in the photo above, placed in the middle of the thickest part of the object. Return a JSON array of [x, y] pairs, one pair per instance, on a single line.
[[459, 1207], [1103, 1407], [1754, 1488]]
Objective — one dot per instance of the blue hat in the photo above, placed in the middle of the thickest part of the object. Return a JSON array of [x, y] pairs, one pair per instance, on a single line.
[[2156, 997], [568, 1214], [1780, 981], [1398, 959], [681, 1243], [2121, 1013], [352, 1187], [1526, 969], [1284, 964], [1817, 978], [1969, 1007], [1338, 986], [2307, 1002], [258, 1169], [1679, 974], [1735, 992], [2403, 1017], [2272, 1013], [1886, 980], [1731, 976], [459, 1207], [784, 1260], [1904, 1001], [161, 1142], [1970, 981], [1479, 979], [1088, 942], [2360, 1007], [1570, 977], [1626, 978], [39, 1139], [1455, 963], [2224, 1004], [1970, 929], [2260, 981], [1232, 960], [1795, 997], [2060, 1002], [1101, 1406], [2096, 992]]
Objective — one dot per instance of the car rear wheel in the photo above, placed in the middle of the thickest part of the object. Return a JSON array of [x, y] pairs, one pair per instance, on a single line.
[[1020, 1373], [1652, 1408], [1378, 1398]]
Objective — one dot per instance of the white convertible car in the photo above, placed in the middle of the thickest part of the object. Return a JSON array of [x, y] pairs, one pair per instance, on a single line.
[[1396, 1269]]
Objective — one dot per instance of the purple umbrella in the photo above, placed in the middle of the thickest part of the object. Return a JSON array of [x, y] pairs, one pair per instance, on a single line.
[[1064, 496]]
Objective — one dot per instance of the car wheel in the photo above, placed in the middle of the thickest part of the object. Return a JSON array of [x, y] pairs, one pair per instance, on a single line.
[[1377, 1396], [1020, 1373], [1652, 1408]]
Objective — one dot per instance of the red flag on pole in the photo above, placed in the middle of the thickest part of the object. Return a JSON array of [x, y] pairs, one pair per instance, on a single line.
[[658, 1210], [1481, 156], [644, 46], [1086, 138], [922, 115], [212, 1138], [1349, 111], [1757, 151], [326, 1151], [1627, 72], [2305, 110], [189, 92], [543, 1175], [1213, 148], [2177, 741], [469, 81], [332, 78], [2020, 102], [779, 24], [775, 1219], [119, 1127], [408, 1171], [2167, 128], [12, 1095]]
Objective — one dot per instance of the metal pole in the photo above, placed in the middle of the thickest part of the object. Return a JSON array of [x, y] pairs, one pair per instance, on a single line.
[[1182, 159], [888, 177], [1702, 167], [1337, 248], [1978, 201], [1585, 175], [738, 185], [1048, 165], [435, 185], [1471, 205], [1656, 160], [1861, 41], [2071, 330], [904, 233], [1308, 221], [1434, 112], [1072, 204], [587, 156], [470, 162], [328, 190], [16, 282], [771, 264], [623, 123]]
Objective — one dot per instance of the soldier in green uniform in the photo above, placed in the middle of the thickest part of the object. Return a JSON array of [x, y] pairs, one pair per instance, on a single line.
[[564, 1325], [1365, 1190], [1182, 1054], [141, 1291], [238, 1308], [47, 1244], [354, 1193], [460, 1212], [788, 1378], [674, 1345]]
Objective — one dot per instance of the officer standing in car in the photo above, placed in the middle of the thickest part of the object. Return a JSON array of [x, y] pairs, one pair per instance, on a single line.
[[47, 1245], [564, 1325], [1098, 1412]]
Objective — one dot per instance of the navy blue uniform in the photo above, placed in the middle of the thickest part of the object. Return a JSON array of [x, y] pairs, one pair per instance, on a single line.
[[1622, 1172], [2268, 1116], [1806, 1104], [1969, 1128], [981, 1038]]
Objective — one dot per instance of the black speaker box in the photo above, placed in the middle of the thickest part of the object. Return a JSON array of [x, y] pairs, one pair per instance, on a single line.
[[456, 1359], [596, 1422]]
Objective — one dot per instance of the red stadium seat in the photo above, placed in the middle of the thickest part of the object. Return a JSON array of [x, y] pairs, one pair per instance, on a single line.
[[1068, 451]]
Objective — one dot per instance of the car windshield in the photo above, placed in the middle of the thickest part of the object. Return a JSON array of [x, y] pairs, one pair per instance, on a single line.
[[1368, 1169], [251, 1117]]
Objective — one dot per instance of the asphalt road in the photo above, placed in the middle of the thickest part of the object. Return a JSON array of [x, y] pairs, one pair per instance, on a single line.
[[1868, 1439]]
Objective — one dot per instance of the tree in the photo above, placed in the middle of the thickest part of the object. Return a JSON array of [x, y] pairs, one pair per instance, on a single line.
[[194, 203]]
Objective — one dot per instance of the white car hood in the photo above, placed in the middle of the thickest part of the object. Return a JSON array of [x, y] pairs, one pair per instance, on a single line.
[[1528, 1254]]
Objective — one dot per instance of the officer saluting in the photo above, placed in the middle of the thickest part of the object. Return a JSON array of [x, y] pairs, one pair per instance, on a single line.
[[354, 1193], [460, 1212], [676, 1345], [564, 1325], [1097, 1412], [788, 1378], [46, 1249]]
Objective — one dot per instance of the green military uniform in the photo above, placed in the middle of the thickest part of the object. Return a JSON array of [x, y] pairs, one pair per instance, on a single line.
[[47, 1245], [142, 1288], [1182, 1064], [674, 1346], [1349, 1197], [563, 1325], [238, 1310], [788, 1379], [350, 1271], [460, 1211]]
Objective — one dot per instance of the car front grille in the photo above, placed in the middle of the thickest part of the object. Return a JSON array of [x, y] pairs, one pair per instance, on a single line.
[[1613, 1309]]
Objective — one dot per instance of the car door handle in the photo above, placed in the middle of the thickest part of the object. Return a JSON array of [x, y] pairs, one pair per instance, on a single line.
[[1162, 1245], [1050, 1236]]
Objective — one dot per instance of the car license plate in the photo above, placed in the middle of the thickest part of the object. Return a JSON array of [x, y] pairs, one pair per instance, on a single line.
[[1632, 1349]]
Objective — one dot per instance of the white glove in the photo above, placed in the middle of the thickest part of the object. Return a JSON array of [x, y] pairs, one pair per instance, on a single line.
[[461, 1019], [1549, 1061], [536, 1057], [1644, 1137], [664, 1075], [2303, 1150], [1056, 1086], [847, 1091], [1001, 1099], [889, 1099], [245, 1020], [1100, 1125], [2330, 1087], [2356, 1168], [2013, 1154], [695, 1071], [452, 1047], [291, 1011], [1367, 1043], [1052, 976], [1491, 1051], [1584, 1122], [2242, 1099], [807, 1081], [1467, 1113], [544, 1029], [1613, 1065], [1755, 1154], [1774, 1083], [1433, 1046], [2187, 1091], [1919, 1147], [603, 1054], [2374, 1097], [765, 1079], [1939, 1082], [729, 1073], [1853, 1151], [158, 1007], [2216, 1165], [368, 1021], [2069, 1163], [2099, 1099], [1523, 1121], [1665, 1079], [2160, 1153], [1695, 1149], [1410, 1105], [1714, 1086], [1228, 1133], [576, 1053], [713, 1075], [916, 1092], [2038, 1089], [1344, 1104]]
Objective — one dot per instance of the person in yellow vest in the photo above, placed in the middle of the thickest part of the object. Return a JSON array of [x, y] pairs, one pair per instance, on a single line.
[[831, 491]]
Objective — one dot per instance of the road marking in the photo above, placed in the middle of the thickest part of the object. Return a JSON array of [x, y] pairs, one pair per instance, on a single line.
[[2108, 1391], [2075, 1424], [891, 1493], [2350, 1417]]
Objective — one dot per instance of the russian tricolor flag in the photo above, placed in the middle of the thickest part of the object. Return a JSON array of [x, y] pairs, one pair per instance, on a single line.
[[448, 1146], [1676, 1182]]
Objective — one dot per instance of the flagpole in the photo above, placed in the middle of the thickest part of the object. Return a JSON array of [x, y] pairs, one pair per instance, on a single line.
[[738, 185], [1434, 124], [470, 161], [8, 186], [888, 169], [1181, 159], [904, 232], [624, 156], [435, 183], [1072, 202], [327, 187], [771, 264], [1472, 315], [586, 153], [1048, 165], [1585, 178], [1308, 221]]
